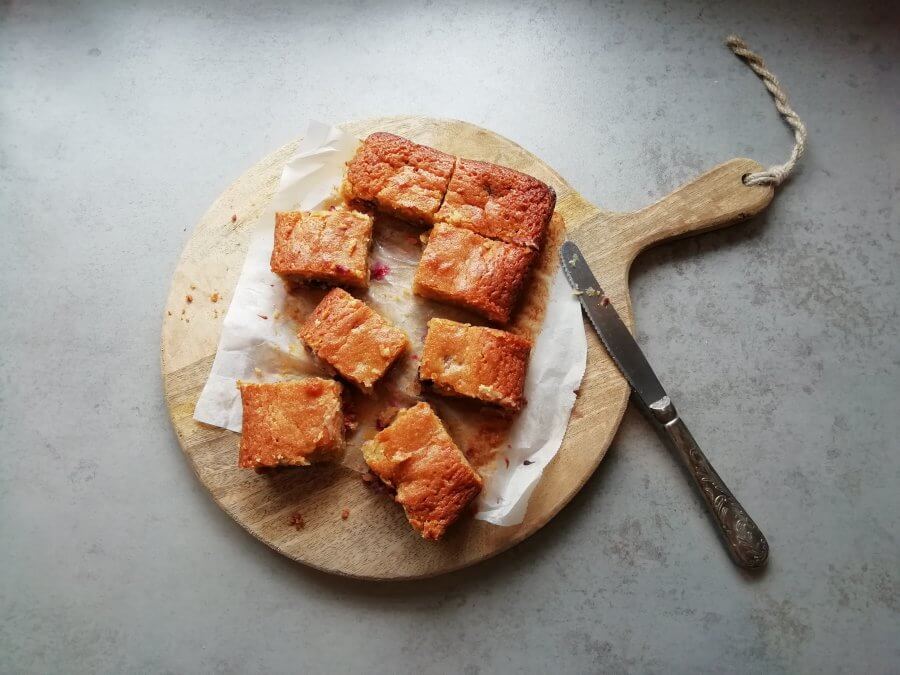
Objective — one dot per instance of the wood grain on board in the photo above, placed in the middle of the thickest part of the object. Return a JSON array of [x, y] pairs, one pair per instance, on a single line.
[[375, 541]]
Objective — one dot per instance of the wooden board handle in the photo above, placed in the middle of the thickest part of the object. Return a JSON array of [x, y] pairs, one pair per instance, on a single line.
[[715, 199]]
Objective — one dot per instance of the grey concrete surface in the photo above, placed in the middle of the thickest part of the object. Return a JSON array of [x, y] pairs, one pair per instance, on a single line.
[[119, 124]]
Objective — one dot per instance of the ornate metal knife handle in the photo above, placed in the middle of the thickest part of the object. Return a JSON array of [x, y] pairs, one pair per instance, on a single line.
[[746, 544]]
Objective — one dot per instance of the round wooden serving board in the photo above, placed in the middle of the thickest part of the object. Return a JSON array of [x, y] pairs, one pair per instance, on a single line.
[[375, 542]]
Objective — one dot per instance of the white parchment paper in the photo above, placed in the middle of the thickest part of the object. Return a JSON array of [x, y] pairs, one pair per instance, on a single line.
[[259, 342]]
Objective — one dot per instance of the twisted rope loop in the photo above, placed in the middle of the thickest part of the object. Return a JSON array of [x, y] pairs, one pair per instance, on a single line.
[[778, 173]]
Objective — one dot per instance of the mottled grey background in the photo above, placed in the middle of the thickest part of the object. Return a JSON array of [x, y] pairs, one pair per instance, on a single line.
[[120, 123]]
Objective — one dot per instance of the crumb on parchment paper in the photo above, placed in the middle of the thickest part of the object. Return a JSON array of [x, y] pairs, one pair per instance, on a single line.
[[351, 423], [386, 416], [345, 514], [214, 297], [296, 520], [189, 298]]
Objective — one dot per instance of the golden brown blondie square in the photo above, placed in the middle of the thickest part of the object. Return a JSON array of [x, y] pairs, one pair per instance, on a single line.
[[434, 481], [485, 364], [401, 178], [498, 202], [291, 423], [466, 269], [325, 246], [352, 338]]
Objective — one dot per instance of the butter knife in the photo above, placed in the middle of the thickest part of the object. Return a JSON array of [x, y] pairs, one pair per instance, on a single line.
[[743, 539]]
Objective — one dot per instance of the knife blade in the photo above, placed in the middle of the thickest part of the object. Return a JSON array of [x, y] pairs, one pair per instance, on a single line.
[[743, 539], [609, 326]]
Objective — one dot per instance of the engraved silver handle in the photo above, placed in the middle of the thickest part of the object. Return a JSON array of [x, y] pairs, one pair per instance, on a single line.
[[746, 543]]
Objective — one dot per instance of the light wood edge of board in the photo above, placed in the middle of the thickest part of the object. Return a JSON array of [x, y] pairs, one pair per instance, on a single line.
[[610, 242]]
